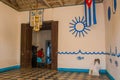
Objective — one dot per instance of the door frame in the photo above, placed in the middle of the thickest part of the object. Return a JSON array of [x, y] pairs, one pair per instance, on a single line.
[[26, 42], [53, 26]]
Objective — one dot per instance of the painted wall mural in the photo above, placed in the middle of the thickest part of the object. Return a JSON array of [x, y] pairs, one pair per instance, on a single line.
[[78, 27], [80, 52], [114, 4], [80, 58], [110, 60], [94, 53], [115, 54], [116, 63], [112, 9], [109, 13], [90, 53]]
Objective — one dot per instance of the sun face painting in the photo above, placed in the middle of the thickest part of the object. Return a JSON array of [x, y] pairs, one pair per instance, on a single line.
[[79, 27]]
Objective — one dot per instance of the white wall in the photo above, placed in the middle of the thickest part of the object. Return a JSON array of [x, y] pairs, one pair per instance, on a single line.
[[8, 36], [112, 38], [11, 30], [42, 36], [34, 38], [94, 41]]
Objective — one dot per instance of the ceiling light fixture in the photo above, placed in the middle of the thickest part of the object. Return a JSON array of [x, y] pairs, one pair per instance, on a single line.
[[36, 18]]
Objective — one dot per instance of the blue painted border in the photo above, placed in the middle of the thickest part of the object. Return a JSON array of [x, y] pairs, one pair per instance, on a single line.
[[9, 68], [80, 52], [73, 70], [102, 71], [90, 53], [110, 76]]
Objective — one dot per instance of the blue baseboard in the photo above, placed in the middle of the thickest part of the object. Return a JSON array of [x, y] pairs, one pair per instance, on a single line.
[[110, 76], [73, 70], [102, 71], [9, 68]]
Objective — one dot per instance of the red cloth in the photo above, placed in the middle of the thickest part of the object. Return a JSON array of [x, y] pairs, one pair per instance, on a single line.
[[40, 54]]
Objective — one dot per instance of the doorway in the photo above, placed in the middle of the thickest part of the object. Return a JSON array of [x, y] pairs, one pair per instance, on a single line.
[[26, 40], [48, 52]]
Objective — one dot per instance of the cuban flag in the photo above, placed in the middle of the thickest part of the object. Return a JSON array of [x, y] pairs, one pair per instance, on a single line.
[[90, 12]]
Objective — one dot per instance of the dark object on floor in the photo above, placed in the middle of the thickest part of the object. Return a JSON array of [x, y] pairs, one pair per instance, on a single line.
[[34, 56]]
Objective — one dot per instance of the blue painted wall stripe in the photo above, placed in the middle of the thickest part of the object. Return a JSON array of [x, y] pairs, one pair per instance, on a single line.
[[102, 71], [90, 53], [9, 68], [73, 70]]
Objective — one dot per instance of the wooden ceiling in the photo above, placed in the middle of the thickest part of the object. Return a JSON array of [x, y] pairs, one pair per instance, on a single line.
[[26, 5]]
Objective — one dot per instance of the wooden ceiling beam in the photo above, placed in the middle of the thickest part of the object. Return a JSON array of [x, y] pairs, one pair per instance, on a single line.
[[61, 3], [26, 5], [79, 2], [9, 4], [14, 3], [46, 3]]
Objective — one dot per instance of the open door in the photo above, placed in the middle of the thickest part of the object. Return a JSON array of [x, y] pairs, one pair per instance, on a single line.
[[54, 48], [26, 46]]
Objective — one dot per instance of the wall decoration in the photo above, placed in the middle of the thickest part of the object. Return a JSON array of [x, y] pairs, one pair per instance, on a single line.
[[90, 12], [110, 60], [78, 27], [118, 55], [80, 57], [113, 54], [89, 53], [36, 19], [114, 4], [116, 63], [80, 52], [116, 52], [109, 13]]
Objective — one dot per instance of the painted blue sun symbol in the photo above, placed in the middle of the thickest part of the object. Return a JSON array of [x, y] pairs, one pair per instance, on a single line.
[[79, 27]]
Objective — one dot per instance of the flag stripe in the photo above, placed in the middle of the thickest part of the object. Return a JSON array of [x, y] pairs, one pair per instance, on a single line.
[[89, 10], [85, 11], [94, 12]]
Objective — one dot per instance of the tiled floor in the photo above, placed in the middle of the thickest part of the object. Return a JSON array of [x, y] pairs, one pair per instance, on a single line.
[[45, 74]]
